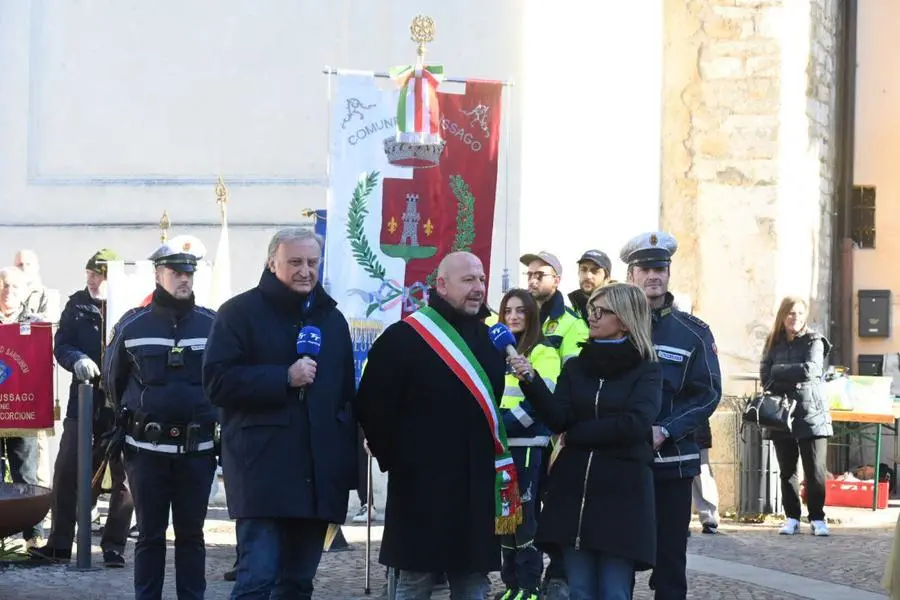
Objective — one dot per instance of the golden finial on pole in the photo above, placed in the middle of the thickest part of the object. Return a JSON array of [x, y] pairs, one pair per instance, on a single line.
[[221, 196], [164, 225], [422, 32]]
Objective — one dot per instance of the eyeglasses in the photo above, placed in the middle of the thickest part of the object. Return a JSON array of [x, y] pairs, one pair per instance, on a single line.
[[598, 312], [537, 275]]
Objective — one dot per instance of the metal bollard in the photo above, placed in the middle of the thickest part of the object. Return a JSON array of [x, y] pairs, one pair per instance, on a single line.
[[85, 474]]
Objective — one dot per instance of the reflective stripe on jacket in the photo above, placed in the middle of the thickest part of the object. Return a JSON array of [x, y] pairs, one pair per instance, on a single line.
[[523, 428]]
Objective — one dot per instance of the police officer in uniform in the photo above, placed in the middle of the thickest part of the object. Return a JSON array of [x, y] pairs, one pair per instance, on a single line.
[[152, 372], [692, 387]]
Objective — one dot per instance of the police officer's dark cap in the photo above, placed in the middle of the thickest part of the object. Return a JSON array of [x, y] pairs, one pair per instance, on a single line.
[[599, 258]]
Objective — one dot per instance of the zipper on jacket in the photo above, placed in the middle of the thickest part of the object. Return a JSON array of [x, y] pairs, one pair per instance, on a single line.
[[587, 472]]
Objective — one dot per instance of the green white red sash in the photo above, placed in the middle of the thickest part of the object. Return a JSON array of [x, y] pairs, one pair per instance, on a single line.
[[456, 354]]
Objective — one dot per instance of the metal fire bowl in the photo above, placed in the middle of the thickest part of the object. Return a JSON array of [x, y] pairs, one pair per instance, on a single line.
[[21, 506]]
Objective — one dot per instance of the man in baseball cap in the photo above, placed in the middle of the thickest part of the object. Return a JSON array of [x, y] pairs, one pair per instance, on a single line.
[[594, 268]]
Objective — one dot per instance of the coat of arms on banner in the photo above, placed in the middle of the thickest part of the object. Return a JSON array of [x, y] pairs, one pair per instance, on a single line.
[[418, 219]]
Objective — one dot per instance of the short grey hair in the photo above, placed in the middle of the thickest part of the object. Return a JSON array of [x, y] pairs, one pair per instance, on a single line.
[[293, 234], [11, 275]]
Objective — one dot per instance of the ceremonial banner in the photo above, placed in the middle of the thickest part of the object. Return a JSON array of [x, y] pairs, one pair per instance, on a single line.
[[389, 226], [26, 378]]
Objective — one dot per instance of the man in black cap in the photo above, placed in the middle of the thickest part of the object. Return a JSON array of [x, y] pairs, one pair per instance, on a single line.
[[153, 370], [692, 387], [78, 347], [594, 268]]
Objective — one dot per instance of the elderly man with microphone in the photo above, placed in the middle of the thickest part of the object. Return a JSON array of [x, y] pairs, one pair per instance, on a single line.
[[279, 363]]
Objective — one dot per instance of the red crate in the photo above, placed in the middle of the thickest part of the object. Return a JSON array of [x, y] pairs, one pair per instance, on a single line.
[[851, 493]]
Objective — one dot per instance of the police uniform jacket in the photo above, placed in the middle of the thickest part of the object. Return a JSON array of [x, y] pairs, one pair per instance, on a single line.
[[430, 434], [692, 388], [137, 372], [283, 455], [81, 334], [562, 327], [795, 369]]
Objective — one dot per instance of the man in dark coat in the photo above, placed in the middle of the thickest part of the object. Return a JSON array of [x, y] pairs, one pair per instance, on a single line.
[[428, 431], [288, 432], [78, 346]]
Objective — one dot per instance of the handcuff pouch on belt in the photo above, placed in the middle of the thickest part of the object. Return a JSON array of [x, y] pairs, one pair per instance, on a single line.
[[186, 435]]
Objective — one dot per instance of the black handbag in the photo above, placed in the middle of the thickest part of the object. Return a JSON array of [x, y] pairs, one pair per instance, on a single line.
[[771, 411]]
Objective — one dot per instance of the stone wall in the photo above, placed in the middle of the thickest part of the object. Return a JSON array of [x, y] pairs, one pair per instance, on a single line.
[[748, 168]]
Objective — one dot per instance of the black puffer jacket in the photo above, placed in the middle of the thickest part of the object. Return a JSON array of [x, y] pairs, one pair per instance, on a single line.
[[795, 369]]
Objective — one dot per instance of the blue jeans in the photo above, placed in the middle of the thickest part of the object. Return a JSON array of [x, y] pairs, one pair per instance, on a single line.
[[596, 576], [463, 586], [159, 481], [278, 558]]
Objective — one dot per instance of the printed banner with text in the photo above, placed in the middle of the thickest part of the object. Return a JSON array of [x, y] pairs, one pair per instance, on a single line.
[[26, 378], [390, 226]]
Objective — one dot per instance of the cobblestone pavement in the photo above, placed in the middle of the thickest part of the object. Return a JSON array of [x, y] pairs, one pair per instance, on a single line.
[[852, 557]]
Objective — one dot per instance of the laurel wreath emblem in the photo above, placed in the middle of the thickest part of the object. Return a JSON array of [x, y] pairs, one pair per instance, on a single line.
[[465, 220], [356, 219]]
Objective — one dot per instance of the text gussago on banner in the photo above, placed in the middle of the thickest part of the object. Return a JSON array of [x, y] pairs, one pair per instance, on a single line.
[[26, 378]]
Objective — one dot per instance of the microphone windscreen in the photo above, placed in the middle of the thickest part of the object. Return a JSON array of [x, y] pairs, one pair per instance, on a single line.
[[309, 341], [501, 336]]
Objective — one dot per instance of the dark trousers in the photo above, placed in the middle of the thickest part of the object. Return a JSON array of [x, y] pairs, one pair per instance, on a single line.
[[522, 562], [21, 455], [279, 558], [673, 519], [812, 452], [556, 568], [65, 488], [362, 468], [182, 482]]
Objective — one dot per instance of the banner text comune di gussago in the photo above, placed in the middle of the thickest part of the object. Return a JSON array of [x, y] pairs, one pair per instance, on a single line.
[[26, 378]]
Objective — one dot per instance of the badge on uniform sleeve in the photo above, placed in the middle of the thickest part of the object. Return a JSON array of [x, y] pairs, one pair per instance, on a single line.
[[551, 327], [714, 349]]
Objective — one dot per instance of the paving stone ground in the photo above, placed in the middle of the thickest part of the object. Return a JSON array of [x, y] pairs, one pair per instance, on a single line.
[[854, 556]]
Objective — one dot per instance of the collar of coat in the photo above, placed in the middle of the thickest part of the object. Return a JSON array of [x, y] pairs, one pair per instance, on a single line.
[[288, 301], [553, 308]]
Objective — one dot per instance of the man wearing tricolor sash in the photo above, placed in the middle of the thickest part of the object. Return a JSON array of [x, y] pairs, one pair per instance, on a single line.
[[428, 403]]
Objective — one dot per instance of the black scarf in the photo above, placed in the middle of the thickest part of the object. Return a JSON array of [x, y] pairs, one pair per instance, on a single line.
[[164, 299], [608, 359]]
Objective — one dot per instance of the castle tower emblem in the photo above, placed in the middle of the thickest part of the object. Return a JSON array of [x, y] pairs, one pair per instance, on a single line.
[[411, 218]]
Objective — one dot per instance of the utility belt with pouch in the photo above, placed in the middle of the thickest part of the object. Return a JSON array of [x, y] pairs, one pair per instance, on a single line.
[[169, 438]]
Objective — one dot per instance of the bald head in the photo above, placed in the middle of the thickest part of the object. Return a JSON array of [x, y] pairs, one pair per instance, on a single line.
[[461, 282]]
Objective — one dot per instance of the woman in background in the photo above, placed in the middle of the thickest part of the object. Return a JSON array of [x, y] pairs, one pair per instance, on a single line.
[[522, 561], [793, 363]]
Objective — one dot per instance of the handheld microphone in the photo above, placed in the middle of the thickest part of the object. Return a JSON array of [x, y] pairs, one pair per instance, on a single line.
[[504, 340], [309, 342]]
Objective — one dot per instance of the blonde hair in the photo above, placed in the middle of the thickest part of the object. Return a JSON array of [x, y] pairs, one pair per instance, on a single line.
[[630, 305], [778, 333]]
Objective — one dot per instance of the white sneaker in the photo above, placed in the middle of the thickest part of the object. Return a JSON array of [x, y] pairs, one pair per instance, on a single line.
[[790, 527], [362, 514], [819, 528]]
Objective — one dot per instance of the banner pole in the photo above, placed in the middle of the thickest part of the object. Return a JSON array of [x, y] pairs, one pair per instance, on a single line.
[[507, 117], [380, 75]]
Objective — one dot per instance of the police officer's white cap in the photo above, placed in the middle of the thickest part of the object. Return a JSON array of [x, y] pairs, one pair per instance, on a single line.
[[651, 249], [180, 253]]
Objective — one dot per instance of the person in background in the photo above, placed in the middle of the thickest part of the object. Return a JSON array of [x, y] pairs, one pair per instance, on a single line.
[[704, 490], [565, 331], [528, 437], [20, 453], [37, 297], [692, 388], [793, 363], [438, 437], [288, 430], [600, 506], [78, 346], [152, 377], [594, 269]]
